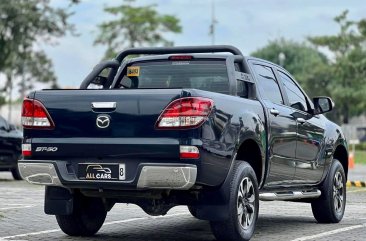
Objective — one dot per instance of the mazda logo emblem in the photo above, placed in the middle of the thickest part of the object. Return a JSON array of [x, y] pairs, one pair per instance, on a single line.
[[103, 121]]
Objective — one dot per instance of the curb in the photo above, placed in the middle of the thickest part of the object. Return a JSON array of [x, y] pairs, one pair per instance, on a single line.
[[356, 184]]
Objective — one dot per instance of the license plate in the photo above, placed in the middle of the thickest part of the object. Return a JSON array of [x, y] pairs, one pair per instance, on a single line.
[[102, 172]]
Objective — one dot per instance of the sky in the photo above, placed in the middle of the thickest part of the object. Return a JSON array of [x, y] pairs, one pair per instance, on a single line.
[[246, 24]]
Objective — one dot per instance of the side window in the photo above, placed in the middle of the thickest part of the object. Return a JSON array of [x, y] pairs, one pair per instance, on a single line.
[[295, 96], [268, 83]]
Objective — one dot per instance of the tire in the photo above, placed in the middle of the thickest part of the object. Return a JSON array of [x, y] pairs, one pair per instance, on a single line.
[[329, 208], [243, 183], [193, 211], [88, 217], [16, 174]]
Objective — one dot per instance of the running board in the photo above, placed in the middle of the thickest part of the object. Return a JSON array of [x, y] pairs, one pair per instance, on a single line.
[[288, 195]]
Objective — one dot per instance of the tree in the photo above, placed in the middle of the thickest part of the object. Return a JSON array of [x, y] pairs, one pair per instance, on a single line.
[[341, 74], [348, 66], [24, 24], [305, 63], [135, 26]]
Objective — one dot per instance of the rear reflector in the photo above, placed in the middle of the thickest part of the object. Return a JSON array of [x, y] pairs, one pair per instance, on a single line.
[[189, 152], [26, 149], [35, 115], [185, 113]]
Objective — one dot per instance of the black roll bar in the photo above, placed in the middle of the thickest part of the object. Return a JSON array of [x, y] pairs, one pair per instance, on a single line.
[[115, 63], [179, 50]]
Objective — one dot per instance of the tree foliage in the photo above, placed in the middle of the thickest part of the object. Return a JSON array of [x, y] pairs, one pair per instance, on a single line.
[[136, 26], [23, 25], [341, 74], [304, 62], [349, 65]]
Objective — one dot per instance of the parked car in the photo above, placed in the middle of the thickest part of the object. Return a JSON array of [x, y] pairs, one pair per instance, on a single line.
[[10, 148], [184, 126]]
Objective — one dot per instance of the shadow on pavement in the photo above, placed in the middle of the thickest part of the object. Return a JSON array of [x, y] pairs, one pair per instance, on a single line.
[[189, 228]]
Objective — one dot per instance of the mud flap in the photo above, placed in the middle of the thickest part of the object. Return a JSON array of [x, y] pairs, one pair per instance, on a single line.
[[58, 201], [213, 205]]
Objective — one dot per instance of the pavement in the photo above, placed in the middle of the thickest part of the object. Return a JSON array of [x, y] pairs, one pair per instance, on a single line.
[[357, 176], [22, 218], [358, 173]]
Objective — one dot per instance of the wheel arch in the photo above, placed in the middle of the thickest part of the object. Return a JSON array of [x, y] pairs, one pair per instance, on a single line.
[[252, 152], [341, 154]]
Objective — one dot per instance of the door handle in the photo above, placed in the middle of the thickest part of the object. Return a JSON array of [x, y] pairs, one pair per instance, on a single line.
[[274, 112], [301, 120]]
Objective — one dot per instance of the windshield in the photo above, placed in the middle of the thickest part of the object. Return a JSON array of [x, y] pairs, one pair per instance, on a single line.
[[204, 75]]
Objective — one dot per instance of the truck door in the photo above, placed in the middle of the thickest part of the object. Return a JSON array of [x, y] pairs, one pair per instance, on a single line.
[[282, 127], [310, 133]]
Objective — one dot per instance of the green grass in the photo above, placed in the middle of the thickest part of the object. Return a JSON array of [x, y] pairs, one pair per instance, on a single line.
[[360, 157]]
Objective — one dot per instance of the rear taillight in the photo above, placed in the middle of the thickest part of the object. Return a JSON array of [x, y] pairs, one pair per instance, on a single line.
[[35, 115], [185, 113]]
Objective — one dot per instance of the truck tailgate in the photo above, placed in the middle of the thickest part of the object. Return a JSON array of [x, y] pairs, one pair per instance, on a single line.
[[131, 129]]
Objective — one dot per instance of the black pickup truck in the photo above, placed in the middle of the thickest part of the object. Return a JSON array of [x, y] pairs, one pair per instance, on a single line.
[[183, 126]]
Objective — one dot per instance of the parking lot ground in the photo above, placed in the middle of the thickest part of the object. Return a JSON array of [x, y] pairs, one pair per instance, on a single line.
[[22, 218], [358, 173]]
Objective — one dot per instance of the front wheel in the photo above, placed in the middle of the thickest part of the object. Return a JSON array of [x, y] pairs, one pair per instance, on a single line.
[[243, 206], [329, 208], [87, 218]]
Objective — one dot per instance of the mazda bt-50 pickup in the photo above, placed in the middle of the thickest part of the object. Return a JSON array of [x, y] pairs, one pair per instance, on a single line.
[[200, 126]]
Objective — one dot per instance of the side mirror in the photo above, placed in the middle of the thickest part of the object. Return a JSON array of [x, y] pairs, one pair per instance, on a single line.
[[322, 104]]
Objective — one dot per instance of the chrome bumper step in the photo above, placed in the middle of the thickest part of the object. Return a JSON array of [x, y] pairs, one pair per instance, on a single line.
[[164, 177], [289, 195], [39, 173]]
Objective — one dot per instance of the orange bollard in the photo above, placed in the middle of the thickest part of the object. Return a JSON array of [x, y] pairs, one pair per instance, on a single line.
[[351, 160]]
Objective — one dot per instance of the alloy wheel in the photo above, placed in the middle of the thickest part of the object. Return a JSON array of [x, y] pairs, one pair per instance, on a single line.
[[338, 192], [246, 203]]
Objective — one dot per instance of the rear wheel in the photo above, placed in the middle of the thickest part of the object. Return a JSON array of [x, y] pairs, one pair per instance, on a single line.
[[86, 220], [329, 208], [243, 206]]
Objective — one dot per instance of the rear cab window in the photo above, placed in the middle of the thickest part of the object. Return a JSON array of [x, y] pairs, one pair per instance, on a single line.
[[209, 75]]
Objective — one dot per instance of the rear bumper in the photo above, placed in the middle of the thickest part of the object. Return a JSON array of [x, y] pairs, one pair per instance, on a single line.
[[39, 173], [167, 177], [150, 176]]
